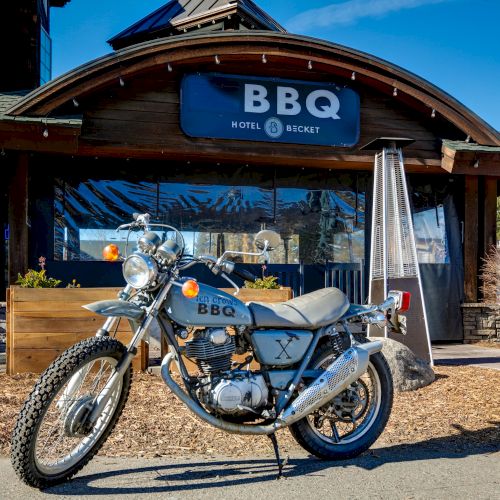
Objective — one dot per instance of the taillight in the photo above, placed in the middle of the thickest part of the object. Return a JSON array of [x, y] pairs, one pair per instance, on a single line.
[[404, 303]]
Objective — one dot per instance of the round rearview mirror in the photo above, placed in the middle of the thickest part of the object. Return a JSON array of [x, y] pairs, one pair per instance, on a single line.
[[273, 240]]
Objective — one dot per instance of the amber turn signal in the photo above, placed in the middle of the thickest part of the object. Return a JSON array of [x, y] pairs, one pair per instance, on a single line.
[[190, 289], [111, 253]]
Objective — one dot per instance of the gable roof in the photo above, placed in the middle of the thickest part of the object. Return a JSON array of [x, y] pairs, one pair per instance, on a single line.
[[178, 16]]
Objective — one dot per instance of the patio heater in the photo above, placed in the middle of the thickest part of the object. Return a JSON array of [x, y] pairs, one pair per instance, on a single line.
[[393, 259]]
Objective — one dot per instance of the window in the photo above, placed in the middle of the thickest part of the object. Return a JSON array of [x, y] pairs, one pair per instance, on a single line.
[[45, 57], [319, 216], [430, 236]]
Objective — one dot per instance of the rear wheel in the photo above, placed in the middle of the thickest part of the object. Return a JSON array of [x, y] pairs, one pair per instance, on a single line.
[[52, 440], [351, 422]]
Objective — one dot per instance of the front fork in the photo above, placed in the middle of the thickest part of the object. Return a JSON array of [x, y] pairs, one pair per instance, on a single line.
[[122, 366]]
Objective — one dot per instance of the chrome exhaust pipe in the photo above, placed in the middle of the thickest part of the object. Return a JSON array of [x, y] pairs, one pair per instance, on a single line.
[[345, 370]]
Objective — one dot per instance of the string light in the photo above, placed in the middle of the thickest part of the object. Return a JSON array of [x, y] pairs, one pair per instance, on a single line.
[[217, 60], [395, 92], [75, 102], [45, 132], [121, 81], [353, 76], [264, 59], [310, 65], [433, 113], [169, 67], [476, 164]]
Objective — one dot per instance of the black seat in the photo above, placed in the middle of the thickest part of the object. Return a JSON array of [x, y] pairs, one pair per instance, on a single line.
[[310, 311]]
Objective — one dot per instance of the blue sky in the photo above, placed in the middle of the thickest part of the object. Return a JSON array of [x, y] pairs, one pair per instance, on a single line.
[[455, 44]]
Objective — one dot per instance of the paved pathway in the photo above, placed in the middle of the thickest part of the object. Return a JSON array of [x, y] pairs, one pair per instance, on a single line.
[[420, 471], [466, 354]]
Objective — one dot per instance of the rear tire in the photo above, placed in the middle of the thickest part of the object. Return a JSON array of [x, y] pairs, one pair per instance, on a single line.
[[375, 413], [86, 357]]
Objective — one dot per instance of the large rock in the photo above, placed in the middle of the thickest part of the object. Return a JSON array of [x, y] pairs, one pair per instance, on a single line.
[[408, 371]]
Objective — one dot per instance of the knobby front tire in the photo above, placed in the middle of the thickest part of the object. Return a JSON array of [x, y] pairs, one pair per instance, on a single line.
[[47, 446]]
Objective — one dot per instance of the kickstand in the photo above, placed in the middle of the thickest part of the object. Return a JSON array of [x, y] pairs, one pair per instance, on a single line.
[[273, 439]]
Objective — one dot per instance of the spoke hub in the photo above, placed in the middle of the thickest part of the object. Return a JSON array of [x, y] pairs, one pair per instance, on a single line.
[[75, 421]]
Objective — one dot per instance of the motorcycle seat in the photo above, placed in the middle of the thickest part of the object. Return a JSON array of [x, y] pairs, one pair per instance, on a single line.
[[310, 311]]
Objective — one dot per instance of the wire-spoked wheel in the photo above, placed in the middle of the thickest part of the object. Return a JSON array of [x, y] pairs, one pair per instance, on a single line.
[[351, 422], [53, 439]]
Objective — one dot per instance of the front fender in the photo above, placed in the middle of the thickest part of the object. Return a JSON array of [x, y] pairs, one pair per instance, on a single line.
[[116, 308]]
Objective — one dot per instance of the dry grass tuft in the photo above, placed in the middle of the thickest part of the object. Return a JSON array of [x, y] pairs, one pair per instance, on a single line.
[[490, 276]]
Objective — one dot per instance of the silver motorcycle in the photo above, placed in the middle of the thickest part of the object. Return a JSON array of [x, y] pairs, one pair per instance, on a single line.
[[331, 388]]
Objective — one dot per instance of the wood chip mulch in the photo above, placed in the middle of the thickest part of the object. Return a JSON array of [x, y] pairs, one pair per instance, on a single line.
[[460, 409]]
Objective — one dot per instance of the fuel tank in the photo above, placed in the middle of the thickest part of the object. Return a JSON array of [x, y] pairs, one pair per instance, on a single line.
[[212, 307]]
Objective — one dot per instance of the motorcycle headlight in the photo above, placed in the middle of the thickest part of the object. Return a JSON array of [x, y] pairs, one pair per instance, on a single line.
[[139, 270]]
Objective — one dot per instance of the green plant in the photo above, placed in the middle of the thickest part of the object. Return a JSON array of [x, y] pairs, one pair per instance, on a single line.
[[265, 283], [73, 284], [36, 279]]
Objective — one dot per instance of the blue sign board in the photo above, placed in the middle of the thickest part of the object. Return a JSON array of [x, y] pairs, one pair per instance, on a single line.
[[269, 109]]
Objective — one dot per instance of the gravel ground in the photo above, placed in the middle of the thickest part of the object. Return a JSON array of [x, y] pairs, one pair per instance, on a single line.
[[463, 405]]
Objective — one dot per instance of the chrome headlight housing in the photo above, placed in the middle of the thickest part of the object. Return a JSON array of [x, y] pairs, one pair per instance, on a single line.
[[139, 270]]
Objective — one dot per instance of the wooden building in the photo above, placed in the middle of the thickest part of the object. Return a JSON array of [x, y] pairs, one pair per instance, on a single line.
[[160, 125]]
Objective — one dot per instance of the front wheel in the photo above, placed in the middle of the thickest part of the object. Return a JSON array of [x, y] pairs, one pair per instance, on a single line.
[[353, 420], [51, 441]]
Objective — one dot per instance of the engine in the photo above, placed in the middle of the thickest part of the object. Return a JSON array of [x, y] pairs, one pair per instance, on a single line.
[[212, 349], [224, 391]]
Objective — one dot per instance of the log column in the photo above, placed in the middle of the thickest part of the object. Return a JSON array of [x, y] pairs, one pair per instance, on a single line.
[[18, 219], [471, 239]]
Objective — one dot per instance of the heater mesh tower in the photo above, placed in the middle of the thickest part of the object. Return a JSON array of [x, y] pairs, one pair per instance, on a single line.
[[393, 262]]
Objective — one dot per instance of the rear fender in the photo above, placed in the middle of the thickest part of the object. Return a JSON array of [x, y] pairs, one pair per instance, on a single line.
[[116, 308]]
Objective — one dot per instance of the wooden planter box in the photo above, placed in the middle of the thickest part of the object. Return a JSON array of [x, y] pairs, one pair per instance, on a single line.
[[43, 322], [257, 295]]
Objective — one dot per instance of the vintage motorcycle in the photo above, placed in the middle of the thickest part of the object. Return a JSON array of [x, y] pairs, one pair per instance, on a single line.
[[331, 388]]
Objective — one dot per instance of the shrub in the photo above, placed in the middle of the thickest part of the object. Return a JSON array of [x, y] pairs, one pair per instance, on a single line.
[[265, 283], [490, 276], [36, 279]]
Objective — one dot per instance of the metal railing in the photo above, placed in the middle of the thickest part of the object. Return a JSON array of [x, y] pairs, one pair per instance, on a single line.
[[348, 277]]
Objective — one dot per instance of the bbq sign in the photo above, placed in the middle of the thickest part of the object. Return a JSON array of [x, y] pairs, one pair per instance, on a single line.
[[269, 109]]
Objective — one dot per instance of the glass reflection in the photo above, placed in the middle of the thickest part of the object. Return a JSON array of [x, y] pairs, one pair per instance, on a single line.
[[318, 217]]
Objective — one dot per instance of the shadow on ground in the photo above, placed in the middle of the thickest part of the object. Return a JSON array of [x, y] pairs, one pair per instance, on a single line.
[[205, 474]]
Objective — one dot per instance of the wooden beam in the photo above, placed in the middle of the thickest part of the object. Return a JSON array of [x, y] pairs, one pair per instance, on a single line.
[[18, 218], [471, 238], [490, 212]]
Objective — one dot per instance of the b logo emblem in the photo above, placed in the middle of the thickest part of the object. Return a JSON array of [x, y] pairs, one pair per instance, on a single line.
[[273, 127]]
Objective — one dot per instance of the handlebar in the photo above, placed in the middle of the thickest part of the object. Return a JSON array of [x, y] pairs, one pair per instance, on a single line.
[[245, 275]]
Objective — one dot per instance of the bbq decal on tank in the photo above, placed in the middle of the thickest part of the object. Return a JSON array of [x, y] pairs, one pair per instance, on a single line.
[[211, 307], [215, 310]]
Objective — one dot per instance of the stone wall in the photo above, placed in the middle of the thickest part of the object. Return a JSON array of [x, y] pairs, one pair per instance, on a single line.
[[481, 322]]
